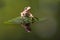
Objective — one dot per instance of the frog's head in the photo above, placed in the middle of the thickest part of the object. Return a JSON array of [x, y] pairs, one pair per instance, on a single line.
[[27, 8]]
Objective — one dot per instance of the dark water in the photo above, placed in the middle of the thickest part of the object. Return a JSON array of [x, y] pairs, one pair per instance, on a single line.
[[44, 30]]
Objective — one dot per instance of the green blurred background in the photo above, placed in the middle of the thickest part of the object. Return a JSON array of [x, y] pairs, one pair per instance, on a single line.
[[44, 30]]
